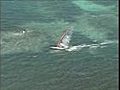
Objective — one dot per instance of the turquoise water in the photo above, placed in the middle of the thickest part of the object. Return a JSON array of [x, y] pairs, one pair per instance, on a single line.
[[27, 63]]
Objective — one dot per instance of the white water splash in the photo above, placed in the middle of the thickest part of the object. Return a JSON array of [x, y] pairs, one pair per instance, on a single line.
[[91, 46]]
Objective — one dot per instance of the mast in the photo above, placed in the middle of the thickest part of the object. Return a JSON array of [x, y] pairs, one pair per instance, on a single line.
[[65, 38], [63, 35]]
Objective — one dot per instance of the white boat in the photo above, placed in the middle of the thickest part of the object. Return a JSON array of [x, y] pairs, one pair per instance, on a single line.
[[64, 41]]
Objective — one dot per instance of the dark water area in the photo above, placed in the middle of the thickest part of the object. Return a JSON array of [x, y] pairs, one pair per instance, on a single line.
[[29, 28], [83, 70]]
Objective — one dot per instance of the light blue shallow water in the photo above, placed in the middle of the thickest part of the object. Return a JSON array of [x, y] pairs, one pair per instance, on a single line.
[[27, 63]]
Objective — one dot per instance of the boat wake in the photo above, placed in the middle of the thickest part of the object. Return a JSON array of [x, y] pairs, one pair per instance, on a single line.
[[100, 45]]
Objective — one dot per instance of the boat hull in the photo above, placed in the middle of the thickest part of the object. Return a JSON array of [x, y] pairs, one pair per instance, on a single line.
[[57, 48]]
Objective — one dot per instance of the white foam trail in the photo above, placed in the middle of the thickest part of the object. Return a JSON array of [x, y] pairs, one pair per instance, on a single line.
[[77, 48], [91, 46], [17, 34], [107, 42]]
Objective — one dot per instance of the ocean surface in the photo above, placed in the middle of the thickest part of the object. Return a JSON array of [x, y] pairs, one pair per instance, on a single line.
[[29, 28]]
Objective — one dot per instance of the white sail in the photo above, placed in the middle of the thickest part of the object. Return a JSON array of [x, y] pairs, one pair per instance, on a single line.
[[65, 38]]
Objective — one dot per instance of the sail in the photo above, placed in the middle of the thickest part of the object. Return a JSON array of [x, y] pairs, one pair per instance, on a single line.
[[65, 38]]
